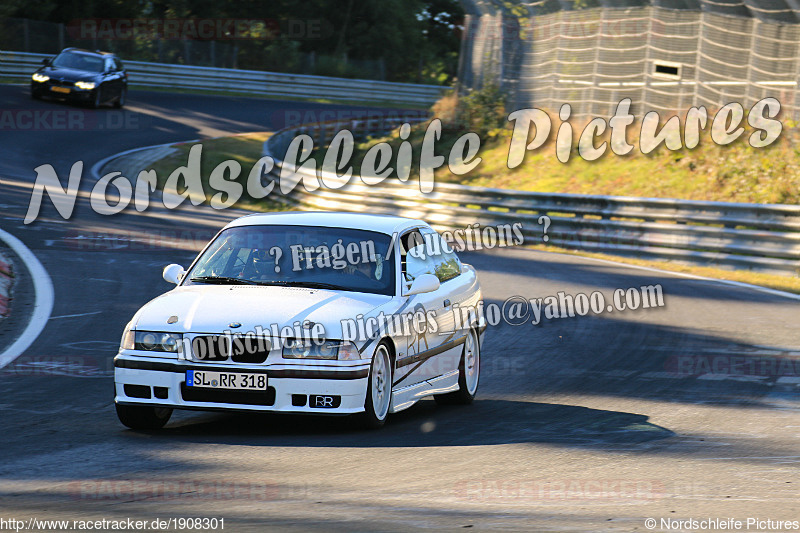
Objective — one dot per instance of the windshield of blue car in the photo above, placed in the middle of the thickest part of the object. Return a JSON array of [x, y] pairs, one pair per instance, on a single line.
[[302, 256], [78, 61]]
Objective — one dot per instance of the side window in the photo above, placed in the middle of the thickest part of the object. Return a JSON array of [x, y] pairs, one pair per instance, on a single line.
[[444, 260], [413, 257], [417, 262]]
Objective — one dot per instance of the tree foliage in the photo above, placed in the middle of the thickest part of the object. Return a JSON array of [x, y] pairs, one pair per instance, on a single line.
[[409, 40]]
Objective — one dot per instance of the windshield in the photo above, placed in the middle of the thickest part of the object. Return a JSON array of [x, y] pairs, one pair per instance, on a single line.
[[79, 61], [302, 256]]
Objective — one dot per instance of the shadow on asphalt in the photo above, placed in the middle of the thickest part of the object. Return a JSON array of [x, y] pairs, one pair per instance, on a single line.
[[485, 422]]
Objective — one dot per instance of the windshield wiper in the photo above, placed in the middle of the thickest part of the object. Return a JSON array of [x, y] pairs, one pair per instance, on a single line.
[[223, 280], [309, 284]]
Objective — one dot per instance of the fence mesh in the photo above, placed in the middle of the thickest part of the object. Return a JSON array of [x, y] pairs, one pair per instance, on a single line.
[[663, 59]]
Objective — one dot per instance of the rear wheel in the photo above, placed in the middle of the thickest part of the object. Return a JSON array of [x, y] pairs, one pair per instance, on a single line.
[[469, 370], [379, 389], [143, 416]]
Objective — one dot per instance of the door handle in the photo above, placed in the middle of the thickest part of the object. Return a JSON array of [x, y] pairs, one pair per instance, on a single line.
[[447, 303]]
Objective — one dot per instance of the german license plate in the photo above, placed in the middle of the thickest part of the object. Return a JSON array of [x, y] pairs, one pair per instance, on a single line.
[[226, 380], [64, 90]]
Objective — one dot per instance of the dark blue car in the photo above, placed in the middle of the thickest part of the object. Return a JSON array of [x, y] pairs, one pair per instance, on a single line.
[[83, 76]]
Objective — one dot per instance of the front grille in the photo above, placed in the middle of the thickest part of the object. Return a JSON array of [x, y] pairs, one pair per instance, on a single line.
[[211, 348], [62, 83], [218, 348], [255, 357], [244, 397]]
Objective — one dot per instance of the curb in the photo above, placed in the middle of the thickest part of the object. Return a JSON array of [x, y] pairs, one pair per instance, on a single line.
[[28, 269], [6, 284]]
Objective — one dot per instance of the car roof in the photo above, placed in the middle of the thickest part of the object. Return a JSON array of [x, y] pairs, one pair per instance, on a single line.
[[387, 224], [90, 52]]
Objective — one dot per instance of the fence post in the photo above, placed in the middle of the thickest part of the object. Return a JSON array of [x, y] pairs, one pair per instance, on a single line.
[[647, 66], [593, 105], [700, 39], [748, 80]]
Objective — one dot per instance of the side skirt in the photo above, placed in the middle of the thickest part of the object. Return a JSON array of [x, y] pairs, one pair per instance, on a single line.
[[405, 397]]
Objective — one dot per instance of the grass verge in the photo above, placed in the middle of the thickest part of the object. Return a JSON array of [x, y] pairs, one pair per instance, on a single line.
[[245, 149]]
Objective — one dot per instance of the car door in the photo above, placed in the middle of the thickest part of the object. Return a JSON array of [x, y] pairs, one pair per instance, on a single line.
[[456, 291], [418, 362]]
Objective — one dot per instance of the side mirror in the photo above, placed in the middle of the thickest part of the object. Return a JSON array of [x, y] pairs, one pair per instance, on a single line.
[[465, 268], [424, 283], [173, 273], [46, 61]]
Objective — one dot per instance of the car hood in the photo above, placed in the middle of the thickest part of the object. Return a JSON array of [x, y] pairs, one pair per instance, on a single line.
[[212, 308], [68, 74]]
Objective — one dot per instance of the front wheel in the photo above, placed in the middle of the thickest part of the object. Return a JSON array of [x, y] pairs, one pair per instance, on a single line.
[[379, 389], [469, 370], [143, 416], [96, 101], [120, 101]]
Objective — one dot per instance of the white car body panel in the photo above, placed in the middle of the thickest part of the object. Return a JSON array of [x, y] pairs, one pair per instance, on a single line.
[[424, 364]]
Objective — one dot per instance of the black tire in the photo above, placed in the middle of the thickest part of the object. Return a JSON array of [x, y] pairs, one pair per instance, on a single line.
[[469, 370], [143, 416], [380, 375], [96, 102], [119, 102]]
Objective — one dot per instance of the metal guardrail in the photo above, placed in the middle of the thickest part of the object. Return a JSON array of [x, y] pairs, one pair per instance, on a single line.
[[764, 237], [19, 65]]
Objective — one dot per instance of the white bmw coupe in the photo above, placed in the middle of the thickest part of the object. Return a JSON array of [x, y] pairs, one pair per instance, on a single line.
[[324, 313]]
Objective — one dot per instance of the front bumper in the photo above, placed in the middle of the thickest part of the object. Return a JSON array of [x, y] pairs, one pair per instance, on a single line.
[[162, 382], [74, 95]]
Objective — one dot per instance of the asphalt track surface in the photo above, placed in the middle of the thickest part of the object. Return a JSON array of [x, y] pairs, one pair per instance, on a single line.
[[580, 423]]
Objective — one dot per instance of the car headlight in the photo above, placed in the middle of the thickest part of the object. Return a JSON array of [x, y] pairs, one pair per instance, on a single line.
[[85, 85], [156, 341], [328, 350], [127, 338], [41, 78]]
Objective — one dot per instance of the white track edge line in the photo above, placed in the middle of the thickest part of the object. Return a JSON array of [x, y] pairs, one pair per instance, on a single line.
[[43, 306]]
